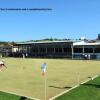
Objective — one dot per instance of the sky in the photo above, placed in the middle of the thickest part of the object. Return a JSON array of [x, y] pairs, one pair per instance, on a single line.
[[67, 19]]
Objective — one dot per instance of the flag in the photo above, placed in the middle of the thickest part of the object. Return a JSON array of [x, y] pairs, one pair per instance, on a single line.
[[43, 68]]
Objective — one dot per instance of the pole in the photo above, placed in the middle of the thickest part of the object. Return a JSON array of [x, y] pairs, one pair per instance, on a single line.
[[78, 78], [72, 51], [45, 85]]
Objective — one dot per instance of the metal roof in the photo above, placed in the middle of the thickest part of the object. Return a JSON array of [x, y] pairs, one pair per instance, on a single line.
[[83, 43], [45, 42]]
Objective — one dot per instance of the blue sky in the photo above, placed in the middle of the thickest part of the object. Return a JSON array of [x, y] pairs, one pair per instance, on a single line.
[[68, 19]]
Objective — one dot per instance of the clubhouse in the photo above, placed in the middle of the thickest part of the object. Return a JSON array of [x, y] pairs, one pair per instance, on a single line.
[[44, 49], [81, 49]]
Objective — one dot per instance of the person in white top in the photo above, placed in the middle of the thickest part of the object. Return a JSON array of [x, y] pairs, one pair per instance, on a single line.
[[2, 64]]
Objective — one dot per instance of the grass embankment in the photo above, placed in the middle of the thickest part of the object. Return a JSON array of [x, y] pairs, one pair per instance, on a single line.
[[8, 96]]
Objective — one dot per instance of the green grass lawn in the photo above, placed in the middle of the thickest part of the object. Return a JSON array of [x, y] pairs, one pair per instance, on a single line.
[[23, 76], [7, 96], [87, 91]]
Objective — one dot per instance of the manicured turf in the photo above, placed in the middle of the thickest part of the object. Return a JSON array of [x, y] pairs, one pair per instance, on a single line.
[[23, 76], [7, 96], [87, 91]]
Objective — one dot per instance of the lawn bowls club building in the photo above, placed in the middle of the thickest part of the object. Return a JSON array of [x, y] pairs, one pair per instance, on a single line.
[[58, 49], [87, 50], [44, 49]]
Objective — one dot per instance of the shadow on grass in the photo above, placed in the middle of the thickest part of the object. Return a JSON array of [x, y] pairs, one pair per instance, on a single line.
[[66, 87], [92, 85], [22, 98]]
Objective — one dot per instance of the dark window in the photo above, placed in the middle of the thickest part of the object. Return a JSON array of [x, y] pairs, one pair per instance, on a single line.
[[67, 49], [97, 50], [78, 50], [56, 49], [42, 50], [88, 50], [50, 50]]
